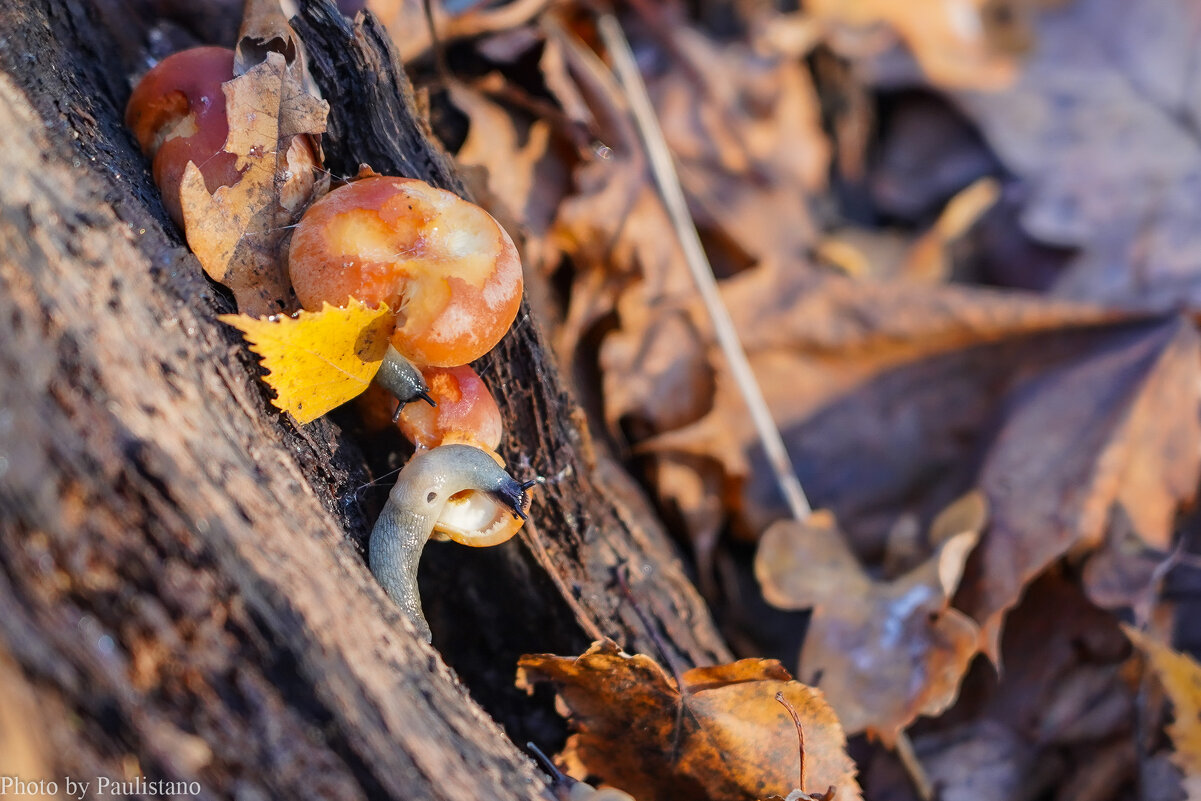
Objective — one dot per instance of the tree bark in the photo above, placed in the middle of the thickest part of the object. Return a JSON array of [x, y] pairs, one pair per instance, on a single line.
[[183, 593]]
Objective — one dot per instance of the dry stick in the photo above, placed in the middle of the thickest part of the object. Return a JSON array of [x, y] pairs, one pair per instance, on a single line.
[[672, 195], [440, 65], [668, 181], [917, 773]]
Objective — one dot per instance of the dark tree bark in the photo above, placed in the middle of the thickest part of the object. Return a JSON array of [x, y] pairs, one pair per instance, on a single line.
[[182, 585]]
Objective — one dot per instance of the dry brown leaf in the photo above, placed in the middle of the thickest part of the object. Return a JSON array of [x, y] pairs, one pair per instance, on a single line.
[[1117, 428], [1180, 676], [948, 38], [493, 143], [612, 225], [265, 29], [655, 369], [746, 133], [884, 652], [892, 397], [1047, 721], [874, 385], [1101, 128], [723, 737], [237, 231]]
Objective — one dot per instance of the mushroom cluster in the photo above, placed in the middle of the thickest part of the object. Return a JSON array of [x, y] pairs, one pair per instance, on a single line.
[[451, 278]]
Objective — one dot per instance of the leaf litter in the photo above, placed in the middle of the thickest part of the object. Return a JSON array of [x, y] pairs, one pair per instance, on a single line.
[[1037, 144]]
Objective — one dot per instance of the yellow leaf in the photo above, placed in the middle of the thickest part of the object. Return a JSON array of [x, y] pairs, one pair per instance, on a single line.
[[1181, 679], [318, 360]]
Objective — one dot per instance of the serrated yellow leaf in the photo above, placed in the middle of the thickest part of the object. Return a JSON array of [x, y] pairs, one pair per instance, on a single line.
[[317, 361]]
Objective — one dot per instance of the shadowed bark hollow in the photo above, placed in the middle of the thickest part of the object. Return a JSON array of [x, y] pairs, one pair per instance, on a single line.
[[183, 592]]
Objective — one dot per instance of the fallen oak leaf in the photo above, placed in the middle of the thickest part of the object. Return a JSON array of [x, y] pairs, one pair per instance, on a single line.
[[237, 231], [720, 736], [316, 361], [886, 651]]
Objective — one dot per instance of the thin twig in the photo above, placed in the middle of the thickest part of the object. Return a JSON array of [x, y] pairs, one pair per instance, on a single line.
[[668, 182], [913, 766], [440, 64]]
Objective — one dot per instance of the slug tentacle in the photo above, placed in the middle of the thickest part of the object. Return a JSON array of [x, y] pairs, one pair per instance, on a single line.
[[458, 489]]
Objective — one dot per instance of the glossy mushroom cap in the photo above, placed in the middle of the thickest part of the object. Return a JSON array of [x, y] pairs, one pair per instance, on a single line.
[[177, 113], [444, 265], [465, 412]]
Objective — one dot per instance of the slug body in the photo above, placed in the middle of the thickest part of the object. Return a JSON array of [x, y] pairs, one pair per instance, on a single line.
[[432, 489]]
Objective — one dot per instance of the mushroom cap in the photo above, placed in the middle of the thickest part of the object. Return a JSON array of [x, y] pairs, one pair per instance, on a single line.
[[466, 411], [450, 272], [177, 112], [475, 518]]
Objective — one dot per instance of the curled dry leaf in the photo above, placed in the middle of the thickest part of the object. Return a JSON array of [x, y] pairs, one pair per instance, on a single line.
[[745, 130], [1048, 720], [316, 361], [1180, 676], [884, 652], [237, 231], [722, 736], [265, 29], [509, 158]]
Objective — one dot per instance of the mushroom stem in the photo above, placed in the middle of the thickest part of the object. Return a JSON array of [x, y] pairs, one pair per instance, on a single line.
[[421, 493], [399, 376]]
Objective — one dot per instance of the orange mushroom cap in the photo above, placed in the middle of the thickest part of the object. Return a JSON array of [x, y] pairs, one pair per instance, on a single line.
[[443, 264], [466, 411]]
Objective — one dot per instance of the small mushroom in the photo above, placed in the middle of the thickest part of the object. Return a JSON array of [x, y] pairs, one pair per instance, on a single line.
[[458, 491], [462, 410], [177, 113]]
